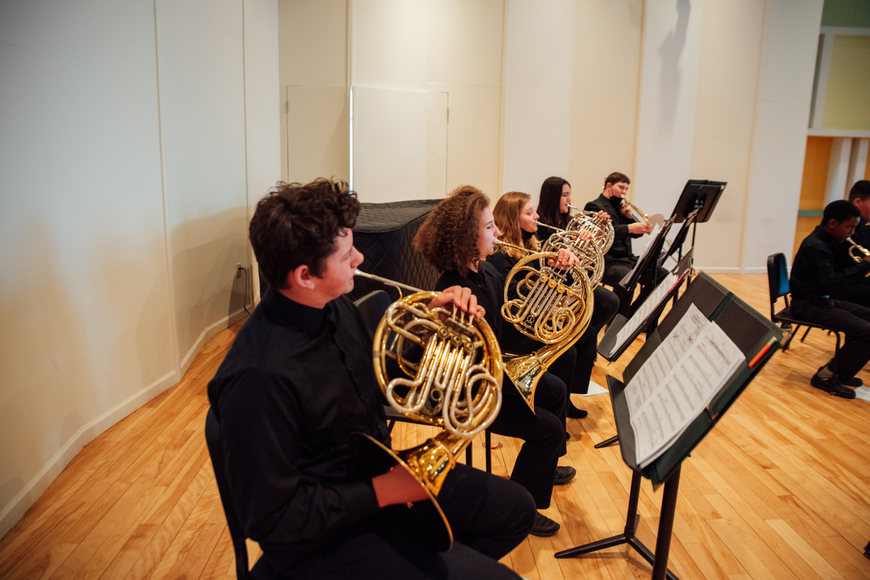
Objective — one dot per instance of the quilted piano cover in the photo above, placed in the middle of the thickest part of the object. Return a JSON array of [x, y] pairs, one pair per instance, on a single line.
[[384, 233]]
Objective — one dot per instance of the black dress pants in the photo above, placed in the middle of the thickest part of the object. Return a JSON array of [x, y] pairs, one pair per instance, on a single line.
[[616, 270], [542, 432], [851, 319], [489, 516]]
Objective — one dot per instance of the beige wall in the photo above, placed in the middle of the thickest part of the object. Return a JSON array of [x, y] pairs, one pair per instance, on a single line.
[[604, 94], [730, 53], [124, 175], [452, 47]]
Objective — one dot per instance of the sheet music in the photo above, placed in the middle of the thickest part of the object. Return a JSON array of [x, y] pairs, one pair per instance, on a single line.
[[677, 382], [652, 302]]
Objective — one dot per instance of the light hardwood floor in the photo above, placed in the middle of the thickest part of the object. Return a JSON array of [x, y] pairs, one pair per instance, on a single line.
[[779, 489]]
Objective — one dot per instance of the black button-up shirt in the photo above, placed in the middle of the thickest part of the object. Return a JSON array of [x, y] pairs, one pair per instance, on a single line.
[[294, 386], [814, 273], [621, 248]]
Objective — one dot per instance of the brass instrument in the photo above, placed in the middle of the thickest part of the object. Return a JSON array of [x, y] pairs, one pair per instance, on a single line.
[[638, 215], [588, 251], [553, 306], [455, 386], [601, 229], [858, 252]]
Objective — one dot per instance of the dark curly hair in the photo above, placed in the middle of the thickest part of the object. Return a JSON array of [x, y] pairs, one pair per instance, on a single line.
[[549, 203], [297, 224], [448, 237]]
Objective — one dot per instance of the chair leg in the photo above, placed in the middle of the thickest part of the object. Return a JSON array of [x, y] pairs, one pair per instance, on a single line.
[[806, 332], [487, 441]]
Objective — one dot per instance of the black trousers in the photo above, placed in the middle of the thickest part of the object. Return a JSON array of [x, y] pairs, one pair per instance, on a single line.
[[851, 319], [856, 293], [542, 432], [616, 270], [606, 307], [489, 516]]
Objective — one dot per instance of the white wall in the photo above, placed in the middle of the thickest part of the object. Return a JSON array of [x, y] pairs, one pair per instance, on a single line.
[[604, 94], [538, 81], [668, 94], [791, 29], [124, 180], [416, 54]]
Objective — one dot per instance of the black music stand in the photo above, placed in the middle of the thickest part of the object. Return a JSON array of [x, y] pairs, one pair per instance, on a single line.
[[701, 195], [680, 238], [652, 258], [608, 341], [757, 337]]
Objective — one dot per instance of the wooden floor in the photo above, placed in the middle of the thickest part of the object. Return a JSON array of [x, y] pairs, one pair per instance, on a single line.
[[779, 489]]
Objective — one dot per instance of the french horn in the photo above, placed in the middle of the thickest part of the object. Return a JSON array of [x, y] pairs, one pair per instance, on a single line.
[[600, 228], [588, 250], [552, 306], [435, 366]]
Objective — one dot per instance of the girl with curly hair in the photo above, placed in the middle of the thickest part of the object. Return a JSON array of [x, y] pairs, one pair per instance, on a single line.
[[456, 238]]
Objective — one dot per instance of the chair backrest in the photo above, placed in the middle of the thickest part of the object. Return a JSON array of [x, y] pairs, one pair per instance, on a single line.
[[777, 280], [372, 307], [212, 439]]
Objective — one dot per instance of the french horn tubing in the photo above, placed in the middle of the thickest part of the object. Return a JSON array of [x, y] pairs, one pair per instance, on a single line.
[[601, 229], [441, 367], [588, 250]]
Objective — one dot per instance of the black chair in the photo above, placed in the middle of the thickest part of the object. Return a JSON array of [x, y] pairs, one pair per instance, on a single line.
[[212, 439], [777, 280], [372, 307]]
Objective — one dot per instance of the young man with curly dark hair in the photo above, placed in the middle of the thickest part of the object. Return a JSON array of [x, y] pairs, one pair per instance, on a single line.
[[456, 238], [297, 382]]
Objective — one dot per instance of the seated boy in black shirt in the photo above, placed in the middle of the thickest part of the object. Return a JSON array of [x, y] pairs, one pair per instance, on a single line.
[[298, 381]]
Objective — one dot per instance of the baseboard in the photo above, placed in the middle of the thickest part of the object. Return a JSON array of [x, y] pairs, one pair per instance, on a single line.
[[733, 270], [15, 509], [19, 505], [206, 334]]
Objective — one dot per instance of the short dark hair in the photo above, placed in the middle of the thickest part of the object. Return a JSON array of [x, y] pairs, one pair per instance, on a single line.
[[448, 237], [298, 224], [549, 201], [861, 190], [839, 211], [616, 177]]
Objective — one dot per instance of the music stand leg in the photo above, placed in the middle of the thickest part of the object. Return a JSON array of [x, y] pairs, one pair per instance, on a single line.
[[608, 442], [659, 560], [666, 528], [625, 537]]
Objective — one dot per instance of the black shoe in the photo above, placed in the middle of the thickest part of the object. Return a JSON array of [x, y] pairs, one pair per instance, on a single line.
[[837, 389], [544, 527], [853, 382], [575, 413], [564, 474]]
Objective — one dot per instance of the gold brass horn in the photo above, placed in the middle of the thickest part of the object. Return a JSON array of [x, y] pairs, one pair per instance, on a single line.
[[454, 383], [553, 306], [858, 252], [638, 215], [601, 229], [587, 250]]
